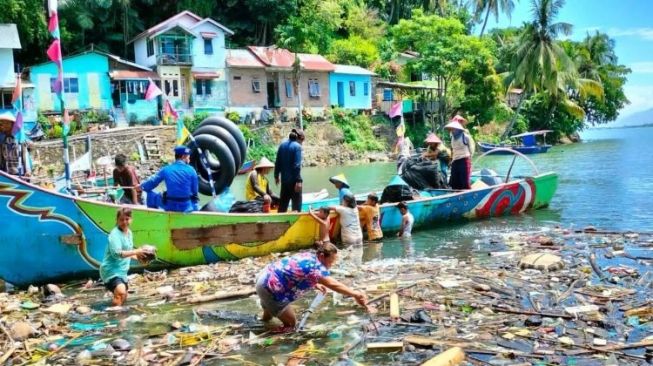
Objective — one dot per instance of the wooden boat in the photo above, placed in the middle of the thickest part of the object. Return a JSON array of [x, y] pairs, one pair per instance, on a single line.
[[247, 167], [528, 145], [49, 236]]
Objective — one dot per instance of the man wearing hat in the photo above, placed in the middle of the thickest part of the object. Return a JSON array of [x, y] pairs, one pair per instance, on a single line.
[[462, 146], [257, 185], [341, 185], [181, 183]]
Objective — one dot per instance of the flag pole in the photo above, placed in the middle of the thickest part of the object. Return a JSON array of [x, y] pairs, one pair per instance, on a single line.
[[19, 140]]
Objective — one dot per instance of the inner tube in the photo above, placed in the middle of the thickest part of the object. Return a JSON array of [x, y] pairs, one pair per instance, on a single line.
[[232, 128], [226, 137], [223, 168]]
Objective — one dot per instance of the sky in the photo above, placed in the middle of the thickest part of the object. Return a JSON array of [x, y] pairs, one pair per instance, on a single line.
[[628, 22]]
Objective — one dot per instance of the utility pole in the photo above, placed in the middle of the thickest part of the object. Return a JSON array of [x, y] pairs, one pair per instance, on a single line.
[[297, 74]]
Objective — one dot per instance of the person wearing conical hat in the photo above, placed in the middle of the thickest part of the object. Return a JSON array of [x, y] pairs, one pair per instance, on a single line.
[[462, 146], [257, 185], [435, 150], [340, 181]]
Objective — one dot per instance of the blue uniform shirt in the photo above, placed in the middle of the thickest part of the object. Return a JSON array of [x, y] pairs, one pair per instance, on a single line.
[[181, 186], [289, 162]]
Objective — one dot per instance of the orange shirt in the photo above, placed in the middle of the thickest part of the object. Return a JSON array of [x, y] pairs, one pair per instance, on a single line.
[[369, 216]]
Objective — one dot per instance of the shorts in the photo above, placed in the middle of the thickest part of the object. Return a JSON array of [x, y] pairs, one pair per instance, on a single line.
[[112, 283], [268, 301]]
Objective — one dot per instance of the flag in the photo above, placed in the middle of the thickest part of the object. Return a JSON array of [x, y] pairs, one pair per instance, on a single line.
[[15, 96], [396, 109], [53, 23], [170, 113], [182, 132], [55, 55], [16, 101], [152, 91]]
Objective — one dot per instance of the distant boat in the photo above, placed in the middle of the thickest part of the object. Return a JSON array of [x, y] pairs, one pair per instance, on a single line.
[[247, 167], [528, 146]]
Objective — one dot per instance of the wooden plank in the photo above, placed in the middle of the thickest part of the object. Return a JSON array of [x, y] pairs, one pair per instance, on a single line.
[[430, 342], [186, 239], [394, 306], [220, 295], [385, 346], [451, 357]]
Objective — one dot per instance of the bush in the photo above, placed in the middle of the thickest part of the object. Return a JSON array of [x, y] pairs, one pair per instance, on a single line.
[[55, 132], [233, 116], [258, 145], [357, 130], [191, 122]]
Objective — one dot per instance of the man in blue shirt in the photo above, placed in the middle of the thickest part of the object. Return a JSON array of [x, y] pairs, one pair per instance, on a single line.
[[181, 183], [287, 169]]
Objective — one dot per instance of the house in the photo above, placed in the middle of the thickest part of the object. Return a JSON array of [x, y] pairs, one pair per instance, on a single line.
[[97, 80], [263, 76], [350, 87], [188, 53], [8, 76]]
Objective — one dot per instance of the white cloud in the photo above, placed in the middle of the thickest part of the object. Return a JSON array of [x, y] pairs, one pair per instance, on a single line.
[[640, 97], [642, 32], [642, 67]]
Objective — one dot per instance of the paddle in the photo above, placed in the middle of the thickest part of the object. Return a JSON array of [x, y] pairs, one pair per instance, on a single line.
[[316, 302]]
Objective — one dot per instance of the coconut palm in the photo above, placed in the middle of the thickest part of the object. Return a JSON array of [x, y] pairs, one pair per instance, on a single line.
[[541, 65], [494, 7]]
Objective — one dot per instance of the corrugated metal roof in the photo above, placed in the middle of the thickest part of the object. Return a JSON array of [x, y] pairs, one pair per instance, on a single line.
[[9, 37], [273, 56], [352, 70], [315, 62], [133, 75], [172, 21], [243, 58]]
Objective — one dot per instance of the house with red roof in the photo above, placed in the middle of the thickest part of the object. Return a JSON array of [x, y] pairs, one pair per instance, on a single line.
[[261, 77]]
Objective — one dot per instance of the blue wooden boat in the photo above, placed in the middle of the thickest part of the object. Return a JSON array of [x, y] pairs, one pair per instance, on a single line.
[[51, 236], [528, 144]]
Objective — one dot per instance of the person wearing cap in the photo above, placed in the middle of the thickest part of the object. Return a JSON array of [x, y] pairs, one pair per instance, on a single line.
[[257, 185], [462, 146], [435, 150], [181, 183], [341, 185], [288, 169]]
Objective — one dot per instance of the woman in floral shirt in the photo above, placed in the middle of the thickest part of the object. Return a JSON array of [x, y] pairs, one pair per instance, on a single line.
[[286, 279]]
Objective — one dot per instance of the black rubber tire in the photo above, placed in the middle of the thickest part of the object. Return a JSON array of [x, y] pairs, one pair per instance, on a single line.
[[226, 137], [232, 128], [224, 168]]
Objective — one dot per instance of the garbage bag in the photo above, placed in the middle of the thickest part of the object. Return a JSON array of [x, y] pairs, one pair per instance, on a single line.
[[397, 193], [423, 174], [247, 206]]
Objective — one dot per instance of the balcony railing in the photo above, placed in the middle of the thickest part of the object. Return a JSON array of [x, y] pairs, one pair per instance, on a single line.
[[174, 59]]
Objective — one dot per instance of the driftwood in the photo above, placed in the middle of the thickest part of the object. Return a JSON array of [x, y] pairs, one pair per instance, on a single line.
[[221, 295], [451, 357], [381, 297]]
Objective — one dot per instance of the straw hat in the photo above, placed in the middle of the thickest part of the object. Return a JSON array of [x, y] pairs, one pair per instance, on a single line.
[[339, 178], [460, 119], [454, 125], [432, 138], [264, 163]]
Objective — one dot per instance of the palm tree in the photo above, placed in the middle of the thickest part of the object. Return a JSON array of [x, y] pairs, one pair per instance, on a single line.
[[494, 7], [540, 64]]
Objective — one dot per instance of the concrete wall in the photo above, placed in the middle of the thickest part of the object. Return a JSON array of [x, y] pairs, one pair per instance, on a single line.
[[357, 101], [92, 73], [7, 74], [240, 91], [140, 53]]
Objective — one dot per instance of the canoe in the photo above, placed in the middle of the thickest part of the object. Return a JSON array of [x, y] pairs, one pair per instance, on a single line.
[[247, 167], [55, 237], [527, 150]]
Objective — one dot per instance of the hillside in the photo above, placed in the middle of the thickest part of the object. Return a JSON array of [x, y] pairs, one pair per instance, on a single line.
[[636, 119]]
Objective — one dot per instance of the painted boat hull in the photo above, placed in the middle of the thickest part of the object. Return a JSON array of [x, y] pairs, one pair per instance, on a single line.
[[527, 150], [49, 236]]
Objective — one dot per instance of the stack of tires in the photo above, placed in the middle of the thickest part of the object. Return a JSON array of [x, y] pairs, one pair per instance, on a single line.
[[225, 149]]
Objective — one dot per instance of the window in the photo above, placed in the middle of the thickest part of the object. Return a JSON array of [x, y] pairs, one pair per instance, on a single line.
[[366, 89], [70, 85], [352, 88], [6, 101], [313, 88], [237, 77], [256, 86], [208, 46], [387, 95], [289, 92], [203, 87], [150, 47]]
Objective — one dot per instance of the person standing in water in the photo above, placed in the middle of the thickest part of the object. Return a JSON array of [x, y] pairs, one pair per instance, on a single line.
[[407, 221]]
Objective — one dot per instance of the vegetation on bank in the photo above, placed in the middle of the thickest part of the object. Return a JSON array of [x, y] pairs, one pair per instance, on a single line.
[[563, 83]]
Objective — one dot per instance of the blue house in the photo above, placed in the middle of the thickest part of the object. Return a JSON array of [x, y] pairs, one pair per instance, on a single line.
[[351, 87], [99, 81]]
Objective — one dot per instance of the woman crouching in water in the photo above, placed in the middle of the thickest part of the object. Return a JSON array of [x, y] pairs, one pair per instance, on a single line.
[[286, 279]]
